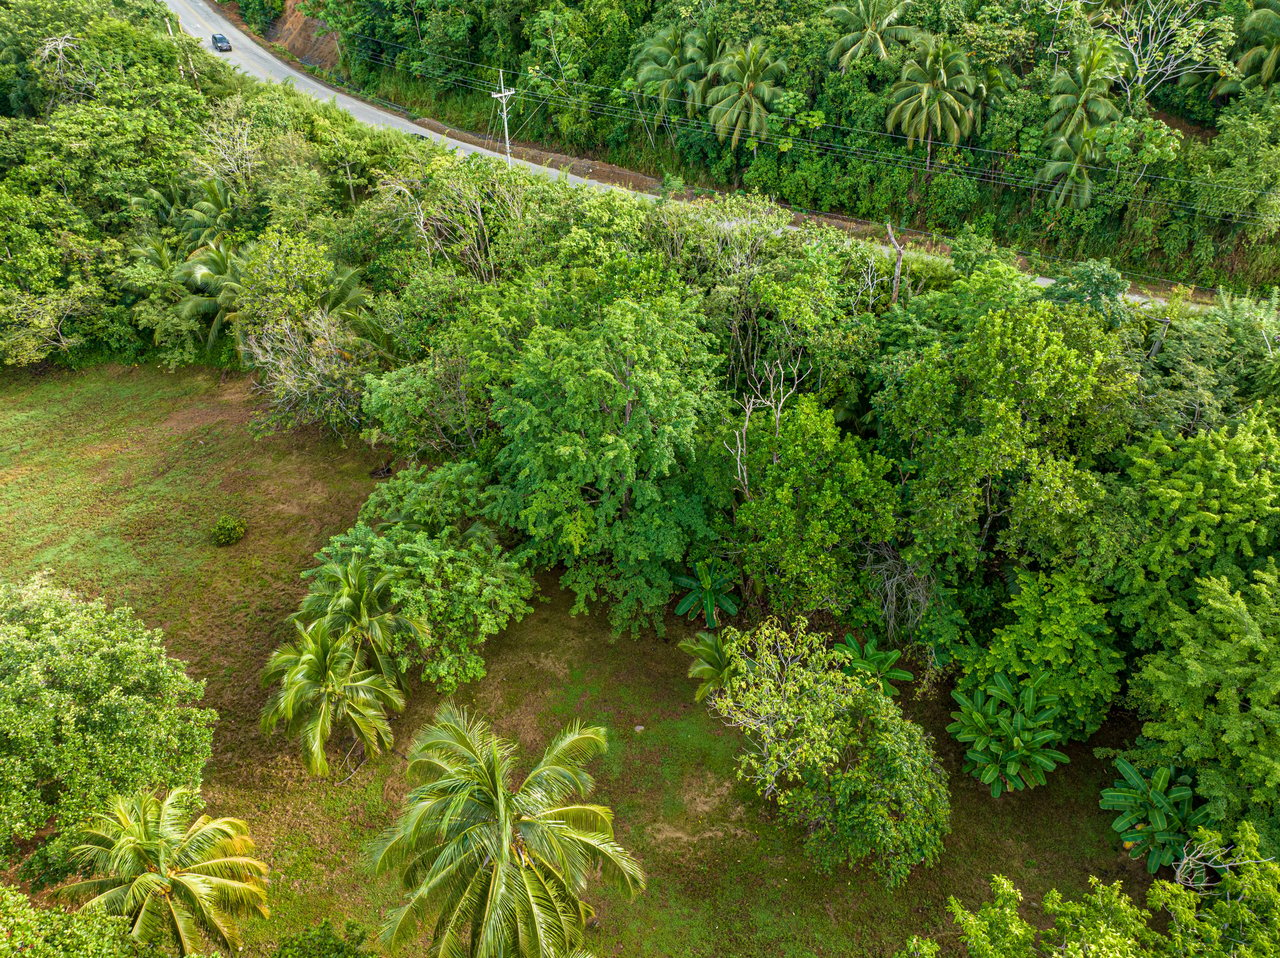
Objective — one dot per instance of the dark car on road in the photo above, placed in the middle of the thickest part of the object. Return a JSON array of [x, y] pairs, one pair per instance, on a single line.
[[221, 43]]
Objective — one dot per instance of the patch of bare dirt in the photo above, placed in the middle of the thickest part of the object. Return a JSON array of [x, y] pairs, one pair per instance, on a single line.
[[712, 816], [305, 37], [234, 406]]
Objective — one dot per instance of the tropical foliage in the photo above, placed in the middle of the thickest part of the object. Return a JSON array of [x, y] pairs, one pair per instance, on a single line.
[[1009, 732], [1078, 131], [496, 864], [1236, 920], [90, 706], [710, 592], [868, 658], [54, 933], [1054, 497], [1156, 817], [176, 881]]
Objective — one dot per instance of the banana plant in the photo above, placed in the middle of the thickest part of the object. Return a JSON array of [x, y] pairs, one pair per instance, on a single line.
[[709, 592], [1009, 733], [878, 663], [711, 663], [1156, 818]]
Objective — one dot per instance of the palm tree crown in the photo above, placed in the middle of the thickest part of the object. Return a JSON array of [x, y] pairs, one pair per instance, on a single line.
[[1067, 168], [934, 99], [354, 600], [170, 879], [214, 275], [667, 72], [747, 88], [498, 870], [1081, 97], [323, 687], [1259, 64], [705, 48], [869, 27]]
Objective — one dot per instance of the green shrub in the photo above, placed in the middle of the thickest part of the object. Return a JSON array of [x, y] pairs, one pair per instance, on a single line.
[[448, 569], [53, 933], [324, 942], [835, 752], [1060, 632], [228, 530], [90, 707], [1010, 733]]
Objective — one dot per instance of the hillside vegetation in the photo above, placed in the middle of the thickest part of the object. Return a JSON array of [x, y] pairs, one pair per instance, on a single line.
[[973, 580], [1141, 130]]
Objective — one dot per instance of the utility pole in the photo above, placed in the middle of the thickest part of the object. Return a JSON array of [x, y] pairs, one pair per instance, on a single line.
[[195, 77], [169, 23], [502, 96]]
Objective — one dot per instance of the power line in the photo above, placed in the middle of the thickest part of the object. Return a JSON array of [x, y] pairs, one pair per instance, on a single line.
[[989, 176], [841, 216], [832, 126]]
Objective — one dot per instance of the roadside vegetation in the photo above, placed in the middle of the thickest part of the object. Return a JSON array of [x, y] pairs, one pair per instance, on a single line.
[[1140, 130], [517, 569]]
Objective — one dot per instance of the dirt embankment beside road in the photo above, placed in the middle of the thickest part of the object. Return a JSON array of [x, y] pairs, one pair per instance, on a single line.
[[305, 37]]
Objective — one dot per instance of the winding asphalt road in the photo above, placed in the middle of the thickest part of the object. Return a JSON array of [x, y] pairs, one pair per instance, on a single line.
[[202, 21]]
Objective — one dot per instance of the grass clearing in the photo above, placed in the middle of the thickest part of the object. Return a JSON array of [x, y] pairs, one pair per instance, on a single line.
[[112, 477]]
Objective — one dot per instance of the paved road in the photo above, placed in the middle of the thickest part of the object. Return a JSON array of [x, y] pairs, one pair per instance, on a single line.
[[202, 21]]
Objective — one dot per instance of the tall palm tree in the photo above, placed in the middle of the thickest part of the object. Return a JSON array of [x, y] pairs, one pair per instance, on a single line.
[[1259, 60], [188, 882], [666, 72], [354, 600], [705, 49], [870, 27], [213, 274], [1080, 98], [935, 98], [496, 865], [322, 688], [1070, 159], [746, 90]]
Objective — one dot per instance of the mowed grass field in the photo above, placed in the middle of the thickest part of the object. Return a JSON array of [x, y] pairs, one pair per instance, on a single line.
[[111, 477]]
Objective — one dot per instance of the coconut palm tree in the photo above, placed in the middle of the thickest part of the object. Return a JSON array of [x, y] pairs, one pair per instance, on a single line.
[[344, 298], [747, 88], [496, 865], [354, 600], [1070, 159], [213, 275], [171, 880], [935, 98], [665, 71], [1080, 98], [154, 250], [1259, 60], [705, 48], [322, 688], [870, 27], [211, 217]]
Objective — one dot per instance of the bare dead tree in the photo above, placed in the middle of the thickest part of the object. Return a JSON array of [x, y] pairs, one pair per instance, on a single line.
[[904, 592], [1204, 865], [897, 266]]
